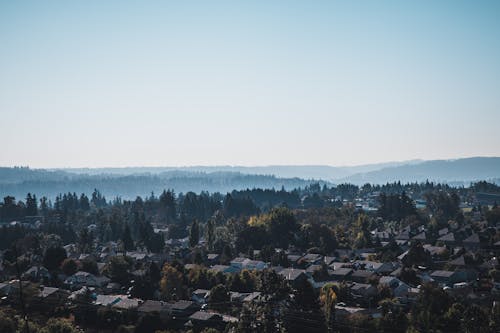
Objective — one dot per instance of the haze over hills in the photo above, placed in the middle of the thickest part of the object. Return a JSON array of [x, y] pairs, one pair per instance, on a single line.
[[323, 172], [132, 181]]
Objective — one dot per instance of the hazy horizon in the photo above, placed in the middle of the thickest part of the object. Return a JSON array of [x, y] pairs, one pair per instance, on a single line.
[[416, 160], [119, 83]]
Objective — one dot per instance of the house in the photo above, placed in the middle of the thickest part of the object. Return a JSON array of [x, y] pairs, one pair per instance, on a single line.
[[155, 307], [182, 309], [398, 287], [37, 273], [202, 319], [81, 278], [448, 277], [458, 262], [127, 303], [252, 297], [343, 312], [311, 259], [341, 274], [254, 265], [377, 267], [448, 239], [213, 258], [442, 232], [363, 290], [403, 236], [108, 300], [238, 263], [200, 296], [329, 260], [472, 243], [420, 237], [435, 251], [223, 269], [362, 276], [293, 275], [293, 259], [313, 268], [53, 296]]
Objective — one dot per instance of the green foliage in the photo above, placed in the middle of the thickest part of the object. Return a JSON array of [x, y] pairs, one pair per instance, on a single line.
[[59, 325], [194, 234], [171, 284], [118, 268], [69, 266], [53, 257], [7, 325], [219, 298], [128, 242], [396, 206]]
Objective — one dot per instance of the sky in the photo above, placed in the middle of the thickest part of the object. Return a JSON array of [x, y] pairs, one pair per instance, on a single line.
[[176, 83]]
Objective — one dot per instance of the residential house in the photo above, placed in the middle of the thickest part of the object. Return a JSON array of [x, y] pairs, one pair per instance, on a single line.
[[203, 319], [163, 309], [362, 276], [293, 275], [472, 243], [341, 274], [448, 277], [37, 273]]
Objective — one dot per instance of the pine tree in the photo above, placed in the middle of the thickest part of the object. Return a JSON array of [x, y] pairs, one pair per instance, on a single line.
[[128, 242], [194, 234]]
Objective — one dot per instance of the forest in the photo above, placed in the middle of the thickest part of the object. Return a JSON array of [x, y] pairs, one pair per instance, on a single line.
[[283, 251]]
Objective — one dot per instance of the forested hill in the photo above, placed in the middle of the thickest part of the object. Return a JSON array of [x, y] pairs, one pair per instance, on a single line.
[[19, 181], [462, 170]]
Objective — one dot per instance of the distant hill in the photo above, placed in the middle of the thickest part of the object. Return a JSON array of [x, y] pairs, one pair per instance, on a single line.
[[323, 172], [50, 184], [462, 170], [133, 181]]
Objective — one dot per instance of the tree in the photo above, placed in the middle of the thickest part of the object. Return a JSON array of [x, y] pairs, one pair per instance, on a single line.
[[31, 205], [194, 234], [59, 325], [328, 299], [69, 266], [304, 313], [427, 312], [7, 325], [210, 233], [171, 284], [476, 320], [53, 257], [118, 268], [148, 323], [90, 266], [85, 241], [127, 240], [219, 298]]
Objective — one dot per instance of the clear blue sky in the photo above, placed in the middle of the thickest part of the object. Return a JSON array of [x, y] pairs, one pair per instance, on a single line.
[[127, 83]]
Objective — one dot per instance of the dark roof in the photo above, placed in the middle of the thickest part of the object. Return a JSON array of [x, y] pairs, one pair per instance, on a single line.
[[460, 261], [444, 274], [153, 306], [447, 238], [311, 257], [420, 236], [341, 272], [182, 305], [204, 315], [474, 238], [291, 274], [362, 273]]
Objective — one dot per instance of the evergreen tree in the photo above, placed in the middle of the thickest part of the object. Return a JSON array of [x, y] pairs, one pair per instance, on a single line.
[[128, 242], [194, 234]]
